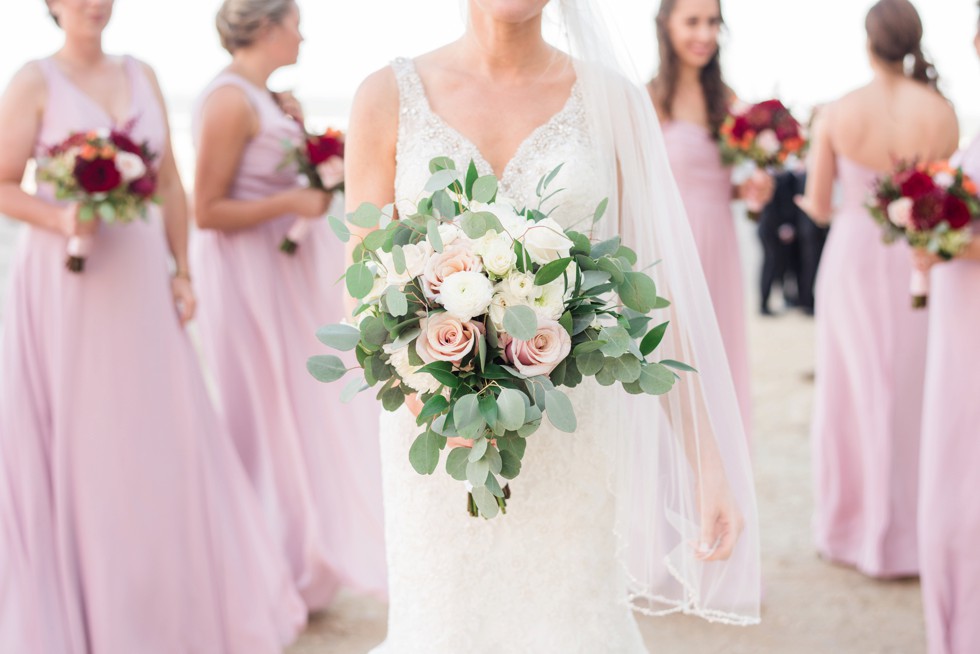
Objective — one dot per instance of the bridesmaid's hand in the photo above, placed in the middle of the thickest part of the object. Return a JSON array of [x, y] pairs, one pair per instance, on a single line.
[[290, 105], [810, 209], [923, 260], [184, 300], [721, 522], [70, 225], [757, 190], [309, 202]]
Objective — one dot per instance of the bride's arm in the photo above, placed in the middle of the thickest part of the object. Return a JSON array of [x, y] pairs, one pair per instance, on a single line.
[[372, 136]]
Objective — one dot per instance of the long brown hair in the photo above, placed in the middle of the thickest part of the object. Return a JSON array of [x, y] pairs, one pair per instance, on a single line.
[[895, 33], [664, 85]]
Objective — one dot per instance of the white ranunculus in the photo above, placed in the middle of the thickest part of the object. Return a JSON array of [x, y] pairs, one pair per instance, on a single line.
[[768, 142], [520, 286], [900, 212], [450, 233], [498, 307], [466, 294], [513, 223], [498, 255], [546, 242], [130, 166], [550, 303], [422, 382]]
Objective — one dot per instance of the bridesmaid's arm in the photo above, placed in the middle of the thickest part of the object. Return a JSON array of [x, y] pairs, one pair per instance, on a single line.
[[174, 209], [821, 170], [228, 123], [21, 110]]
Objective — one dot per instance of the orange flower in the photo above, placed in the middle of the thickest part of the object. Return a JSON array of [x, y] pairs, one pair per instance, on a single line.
[[793, 144], [969, 185], [88, 152]]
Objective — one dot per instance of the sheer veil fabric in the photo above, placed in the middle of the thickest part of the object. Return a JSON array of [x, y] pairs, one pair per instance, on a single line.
[[667, 451]]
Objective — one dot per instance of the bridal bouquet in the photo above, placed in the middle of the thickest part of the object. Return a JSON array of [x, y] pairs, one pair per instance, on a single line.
[[763, 135], [110, 176], [486, 312], [321, 161], [930, 206]]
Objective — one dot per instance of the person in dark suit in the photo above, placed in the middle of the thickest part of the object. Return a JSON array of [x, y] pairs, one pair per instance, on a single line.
[[810, 238], [778, 224]]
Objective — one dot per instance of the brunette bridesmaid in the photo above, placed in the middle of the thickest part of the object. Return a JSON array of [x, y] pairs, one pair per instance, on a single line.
[[313, 460], [128, 524], [871, 345], [692, 101], [949, 514]]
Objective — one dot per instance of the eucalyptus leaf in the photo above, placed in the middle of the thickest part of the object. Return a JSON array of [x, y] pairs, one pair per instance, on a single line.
[[605, 248], [339, 228], [656, 379], [476, 473], [521, 322], [366, 216], [435, 239], [326, 367], [510, 464], [590, 363], [617, 340], [432, 407], [551, 271], [352, 388], [340, 337], [443, 205], [488, 409], [484, 189], [510, 409], [396, 301], [560, 412], [456, 463], [478, 449], [441, 163], [653, 339], [600, 211], [440, 180], [424, 453], [485, 501], [360, 280], [677, 365], [466, 413], [493, 458], [398, 259]]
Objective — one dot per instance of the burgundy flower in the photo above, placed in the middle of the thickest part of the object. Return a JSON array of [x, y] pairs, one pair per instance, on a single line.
[[956, 212], [927, 210], [787, 128], [98, 175], [125, 143], [741, 127], [145, 186], [915, 184], [322, 148]]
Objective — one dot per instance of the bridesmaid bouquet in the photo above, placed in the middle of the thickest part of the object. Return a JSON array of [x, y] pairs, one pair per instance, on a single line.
[[931, 206], [321, 161], [763, 135], [110, 176], [486, 312]]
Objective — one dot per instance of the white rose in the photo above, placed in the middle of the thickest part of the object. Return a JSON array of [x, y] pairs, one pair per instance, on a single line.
[[546, 241], [499, 257], [900, 212], [130, 166], [513, 223], [422, 382], [450, 233], [466, 294], [768, 142]]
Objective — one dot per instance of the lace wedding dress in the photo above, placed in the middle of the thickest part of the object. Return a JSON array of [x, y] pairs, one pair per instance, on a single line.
[[544, 577]]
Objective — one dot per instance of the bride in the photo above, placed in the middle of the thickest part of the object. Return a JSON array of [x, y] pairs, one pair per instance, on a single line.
[[649, 505]]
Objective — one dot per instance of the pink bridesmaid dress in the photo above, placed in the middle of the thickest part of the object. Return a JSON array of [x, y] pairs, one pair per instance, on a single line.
[[314, 460], [867, 411], [949, 513], [127, 522], [706, 188]]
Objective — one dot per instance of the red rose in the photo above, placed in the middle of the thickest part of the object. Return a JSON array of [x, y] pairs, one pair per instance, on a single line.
[[759, 117], [927, 211], [915, 184], [740, 128], [97, 175], [322, 148], [956, 212], [144, 187]]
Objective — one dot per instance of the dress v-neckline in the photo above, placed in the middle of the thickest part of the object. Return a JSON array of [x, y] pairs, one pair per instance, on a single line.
[[520, 152], [130, 83]]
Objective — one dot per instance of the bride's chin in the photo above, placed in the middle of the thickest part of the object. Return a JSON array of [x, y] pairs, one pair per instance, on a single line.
[[510, 11]]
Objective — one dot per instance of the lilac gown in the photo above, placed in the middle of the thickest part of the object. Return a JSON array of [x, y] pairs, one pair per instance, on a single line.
[[314, 460], [949, 514], [868, 407], [706, 189], [126, 522]]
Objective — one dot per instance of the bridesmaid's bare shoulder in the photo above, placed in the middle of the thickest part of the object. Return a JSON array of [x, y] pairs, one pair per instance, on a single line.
[[28, 87]]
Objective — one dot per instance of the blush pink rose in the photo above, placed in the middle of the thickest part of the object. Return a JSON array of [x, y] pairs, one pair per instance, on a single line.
[[445, 338], [455, 258], [541, 354]]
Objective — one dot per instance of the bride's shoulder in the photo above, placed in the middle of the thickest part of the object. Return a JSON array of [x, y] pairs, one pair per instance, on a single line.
[[377, 96]]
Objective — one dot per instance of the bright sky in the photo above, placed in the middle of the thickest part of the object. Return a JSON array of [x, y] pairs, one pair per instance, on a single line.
[[805, 51]]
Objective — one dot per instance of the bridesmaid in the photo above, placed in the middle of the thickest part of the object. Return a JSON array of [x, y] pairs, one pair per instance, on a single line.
[[313, 460], [949, 516], [692, 101], [870, 343], [128, 523]]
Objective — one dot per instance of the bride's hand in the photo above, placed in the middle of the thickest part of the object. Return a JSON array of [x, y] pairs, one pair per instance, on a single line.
[[414, 404], [721, 522]]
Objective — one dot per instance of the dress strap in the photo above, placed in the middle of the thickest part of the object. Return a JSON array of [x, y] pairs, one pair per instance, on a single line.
[[411, 93]]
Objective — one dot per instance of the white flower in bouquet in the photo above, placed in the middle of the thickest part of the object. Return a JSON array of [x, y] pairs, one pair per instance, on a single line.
[[768, 142], [457, 258], [519, 287], [515, 225], [545, 242], [498, 255], [498, 307], [550, 302], [450, 233], [900, 212], [466, 294], [130, 166], [421, 382], [943, 179], [416, 257]]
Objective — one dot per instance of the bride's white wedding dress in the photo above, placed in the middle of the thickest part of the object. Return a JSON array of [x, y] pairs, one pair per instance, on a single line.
[[544, 577]]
